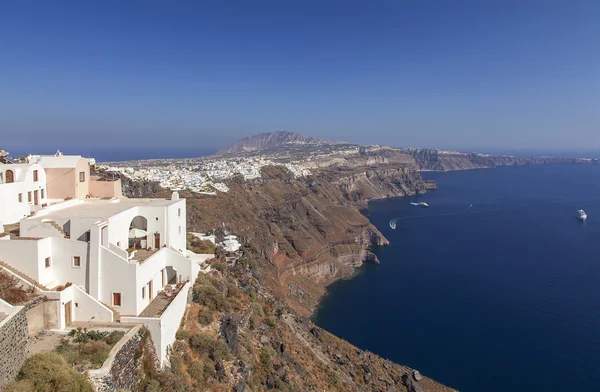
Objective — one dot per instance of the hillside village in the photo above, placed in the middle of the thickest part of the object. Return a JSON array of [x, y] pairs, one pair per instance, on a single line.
[[85, 256], [201, 176]]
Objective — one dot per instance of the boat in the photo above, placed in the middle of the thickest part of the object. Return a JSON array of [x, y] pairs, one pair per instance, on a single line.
[[423, 204], [393, 224], [581, 215]]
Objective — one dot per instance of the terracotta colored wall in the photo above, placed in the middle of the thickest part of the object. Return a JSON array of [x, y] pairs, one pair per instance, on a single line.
[[64, 183], [60, 183], [82, 188], [102, 189]]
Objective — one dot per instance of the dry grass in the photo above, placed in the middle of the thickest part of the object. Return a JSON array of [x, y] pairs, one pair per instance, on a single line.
[[13, 291]]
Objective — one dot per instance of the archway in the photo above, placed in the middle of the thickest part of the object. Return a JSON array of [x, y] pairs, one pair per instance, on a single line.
[[138, 233], [10, 176]]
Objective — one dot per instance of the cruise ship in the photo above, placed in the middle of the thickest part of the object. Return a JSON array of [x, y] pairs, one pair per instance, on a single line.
[[581, 215]]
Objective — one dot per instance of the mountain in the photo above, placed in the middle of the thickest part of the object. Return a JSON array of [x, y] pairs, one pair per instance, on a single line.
[[268, 140]]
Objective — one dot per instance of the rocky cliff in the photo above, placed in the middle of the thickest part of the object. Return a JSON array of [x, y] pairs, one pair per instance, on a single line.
[[440, 160], [249, 328], [267, 140]]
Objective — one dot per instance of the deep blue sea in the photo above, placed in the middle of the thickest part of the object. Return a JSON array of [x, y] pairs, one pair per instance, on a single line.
[[503, 296]]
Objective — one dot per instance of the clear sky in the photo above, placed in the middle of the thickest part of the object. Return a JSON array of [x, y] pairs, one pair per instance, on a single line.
[[201, 74]]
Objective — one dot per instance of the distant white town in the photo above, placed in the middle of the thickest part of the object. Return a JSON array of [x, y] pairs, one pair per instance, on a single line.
[[202, 176]]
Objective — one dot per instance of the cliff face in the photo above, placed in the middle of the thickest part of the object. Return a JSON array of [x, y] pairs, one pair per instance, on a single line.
[[439, 160], [248, 327], [267, 140], [309, 228]]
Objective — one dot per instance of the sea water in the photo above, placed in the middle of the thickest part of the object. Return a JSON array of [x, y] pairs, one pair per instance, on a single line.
[[503, 295]]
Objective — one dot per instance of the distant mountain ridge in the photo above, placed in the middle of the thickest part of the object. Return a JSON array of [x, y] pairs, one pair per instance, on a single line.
[[267, 140]]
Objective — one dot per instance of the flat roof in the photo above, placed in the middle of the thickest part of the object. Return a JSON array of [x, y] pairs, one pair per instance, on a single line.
[[56, 162], [97, 208]]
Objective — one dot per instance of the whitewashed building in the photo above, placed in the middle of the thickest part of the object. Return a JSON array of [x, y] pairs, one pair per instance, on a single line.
[[22, 191], [115, 254]]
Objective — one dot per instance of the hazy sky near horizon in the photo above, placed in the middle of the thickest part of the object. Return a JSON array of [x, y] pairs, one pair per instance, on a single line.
[[497, 74]]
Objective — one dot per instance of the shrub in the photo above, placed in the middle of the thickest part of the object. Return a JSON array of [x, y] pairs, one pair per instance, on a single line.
[[209, 296], [48, 372], [20, 386], [200, 371], [214, 348], [205, 316], [182, 335], [176, 364], [270, 321]]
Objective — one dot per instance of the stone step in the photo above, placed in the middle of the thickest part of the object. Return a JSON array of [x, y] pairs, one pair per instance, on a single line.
[[116, 315], [23, 276]]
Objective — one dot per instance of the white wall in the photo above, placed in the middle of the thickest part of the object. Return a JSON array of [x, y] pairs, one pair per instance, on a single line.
[[163, 329], [22, 255], [63, 251], [11, 210], [177, 225], [83, 307], [9, 310], [117, 275]]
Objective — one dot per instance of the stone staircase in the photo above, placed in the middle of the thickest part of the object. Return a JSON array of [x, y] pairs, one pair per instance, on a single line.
[[60, 229], [23, 276], [116, 315]]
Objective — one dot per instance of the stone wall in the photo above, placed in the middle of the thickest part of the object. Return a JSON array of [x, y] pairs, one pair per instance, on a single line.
[[14, 346], [120, 370]]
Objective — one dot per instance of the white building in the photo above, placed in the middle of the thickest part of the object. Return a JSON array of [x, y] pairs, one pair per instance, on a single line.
[[117, 253], [22, 191]]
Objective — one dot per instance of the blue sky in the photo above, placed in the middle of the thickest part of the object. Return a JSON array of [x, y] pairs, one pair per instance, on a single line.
[[474, 75]]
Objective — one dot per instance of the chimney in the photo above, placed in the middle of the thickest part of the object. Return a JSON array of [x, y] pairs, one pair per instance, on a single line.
[[175, 196]]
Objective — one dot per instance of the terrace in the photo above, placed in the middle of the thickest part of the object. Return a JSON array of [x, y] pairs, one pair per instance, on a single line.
[[162, 301]]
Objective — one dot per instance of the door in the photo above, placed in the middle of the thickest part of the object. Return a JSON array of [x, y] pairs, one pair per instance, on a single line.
[[157, 240], [36, 200], [10, 176], [151, 293], [68, 313]]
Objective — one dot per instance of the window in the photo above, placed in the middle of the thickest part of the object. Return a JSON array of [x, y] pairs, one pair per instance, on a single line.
[[35, 176], [143, 292], [81, 177], [76, 261], [20, 198], [179, 212], [179, 229], [43, 193], [29, 197], [116, 299], [48, 262]]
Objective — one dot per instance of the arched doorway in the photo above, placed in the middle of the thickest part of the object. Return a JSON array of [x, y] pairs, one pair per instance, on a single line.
[[10, 176], [138, 233]]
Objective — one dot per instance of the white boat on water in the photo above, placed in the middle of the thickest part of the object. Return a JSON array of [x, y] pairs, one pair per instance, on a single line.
[[420, 204], [393, 224], [581, 215]]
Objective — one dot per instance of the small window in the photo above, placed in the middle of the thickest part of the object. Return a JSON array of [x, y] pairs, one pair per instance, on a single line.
[[116, 299], [76, 261], [179, 229], [81, 177], [43, 193], [143, 292], [35, 176], [20, 198], [29, 197], [179, 212], [48, 262]]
